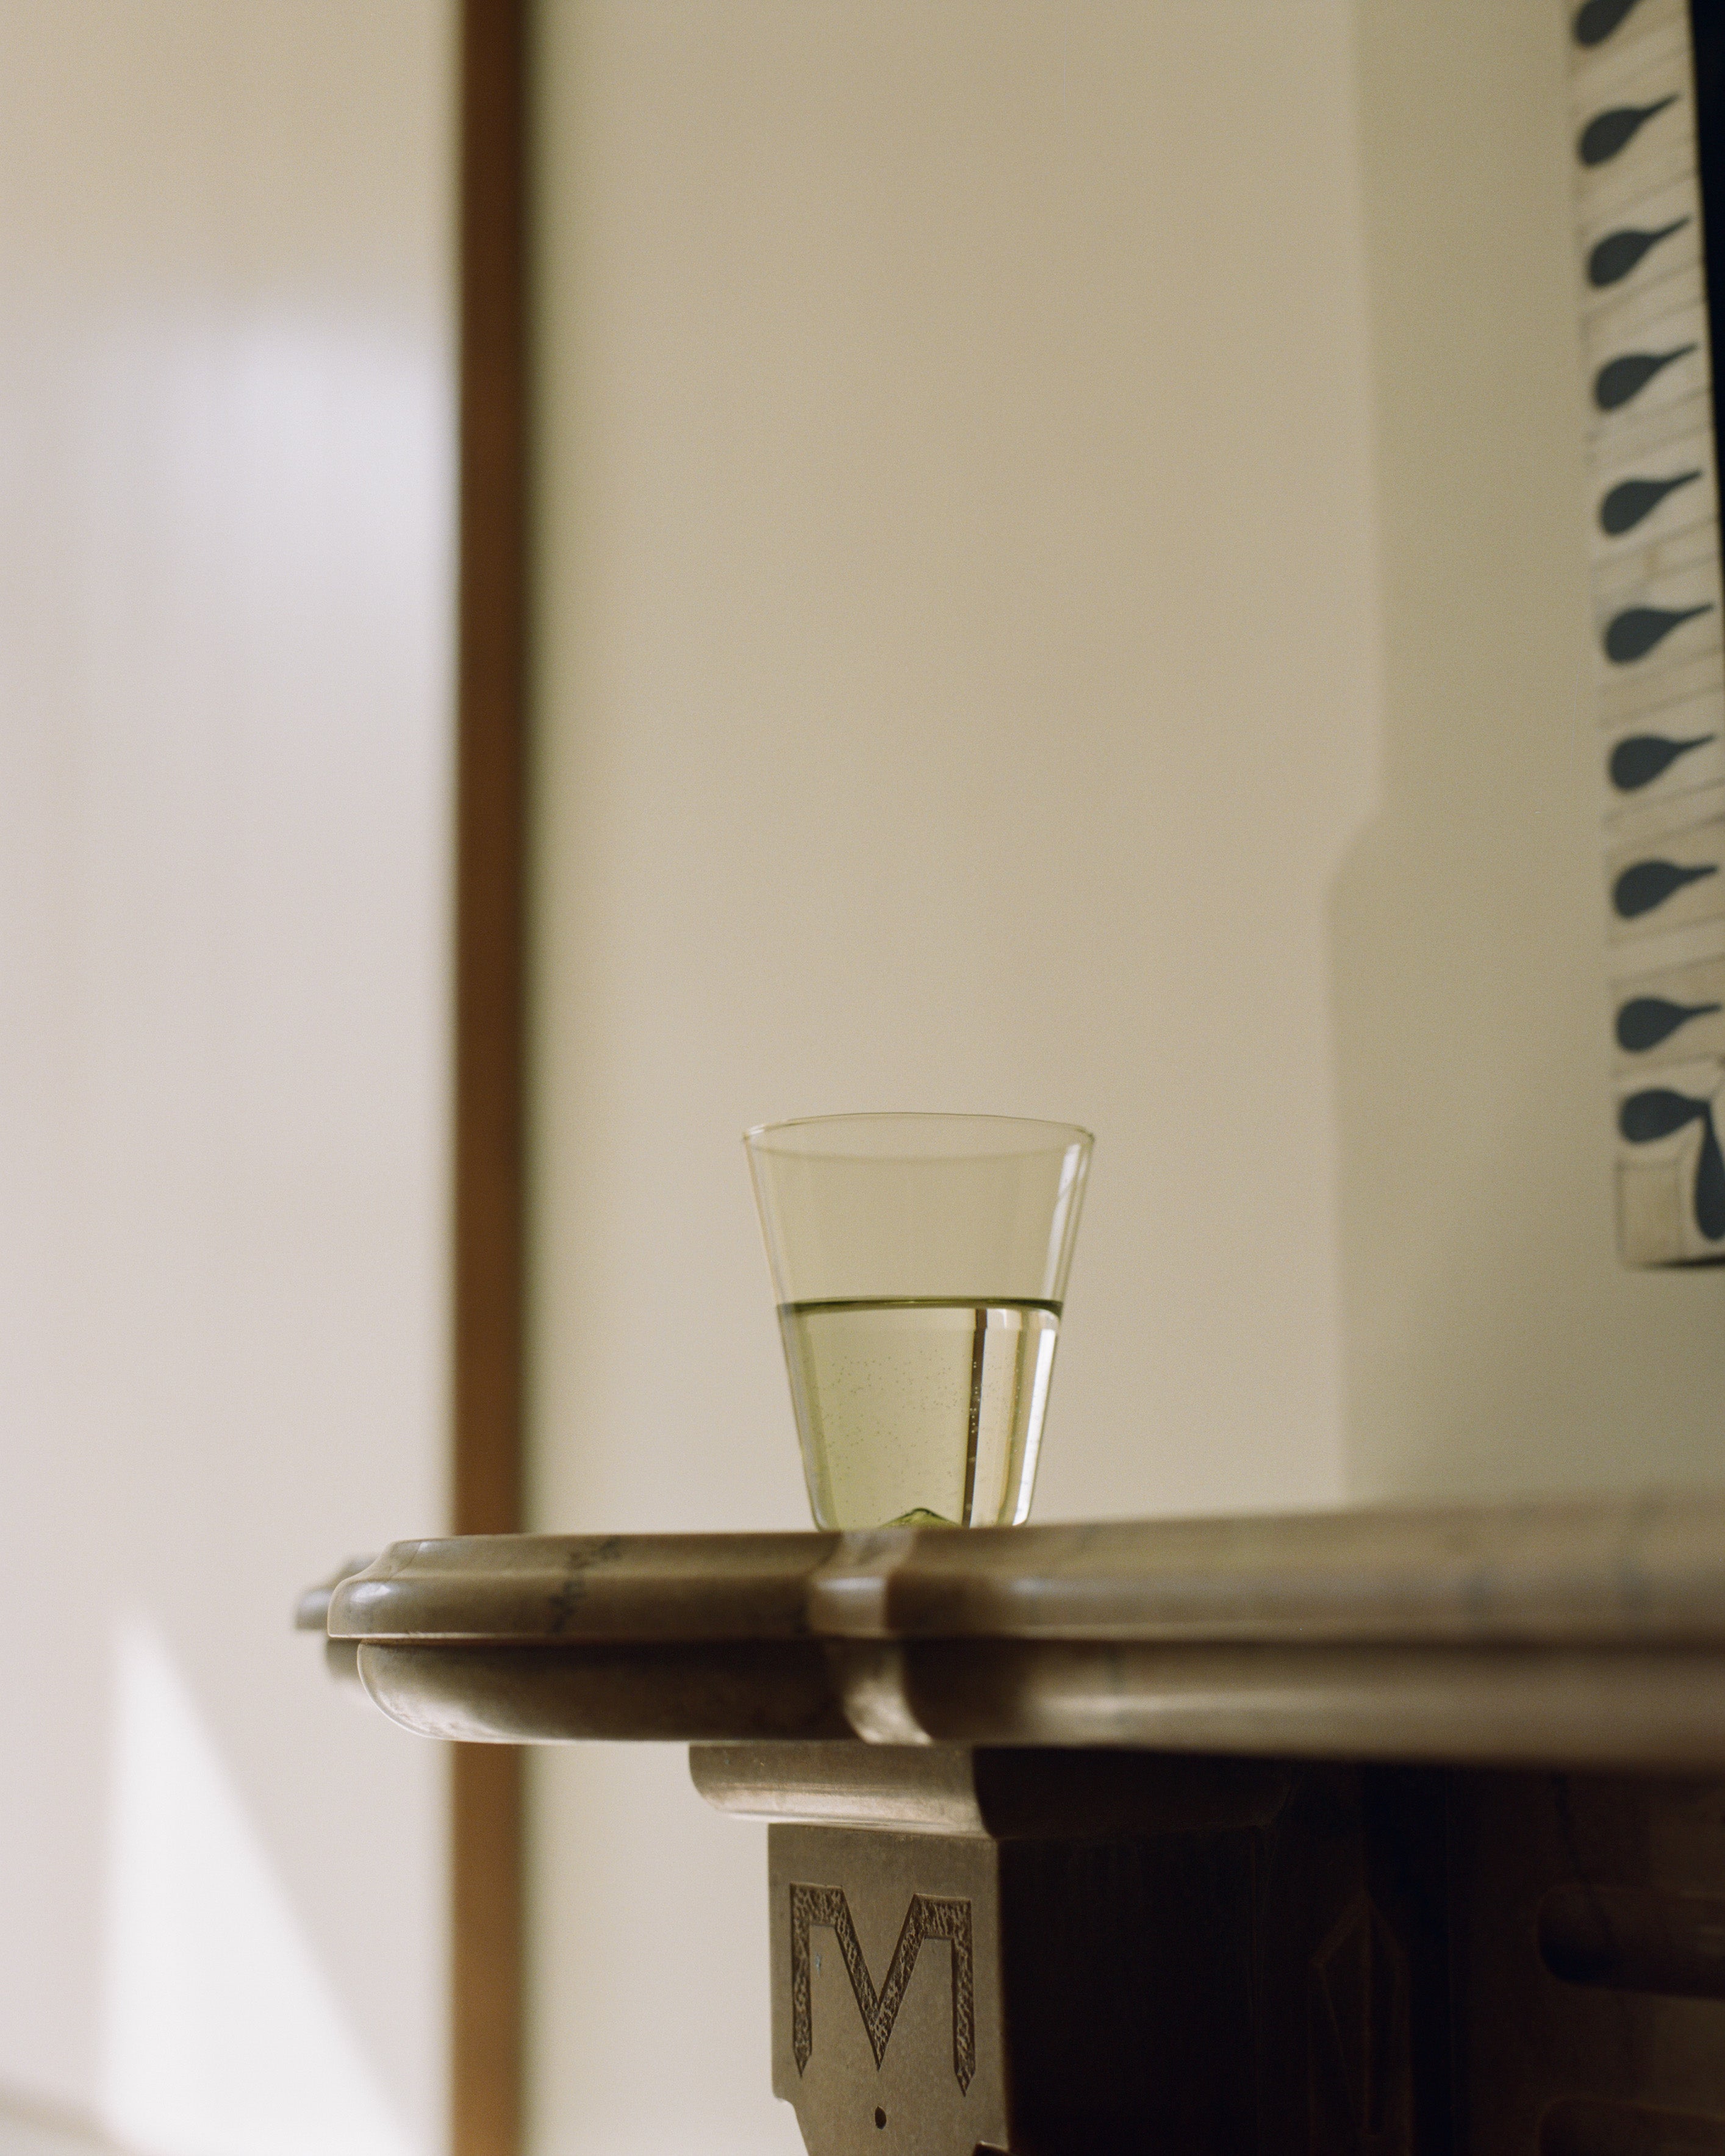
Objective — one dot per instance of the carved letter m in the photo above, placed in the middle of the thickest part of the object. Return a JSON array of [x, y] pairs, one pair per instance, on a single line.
[[929, 1917]]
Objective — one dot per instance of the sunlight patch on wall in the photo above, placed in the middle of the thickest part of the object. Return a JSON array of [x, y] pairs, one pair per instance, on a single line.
[[221, 2036]]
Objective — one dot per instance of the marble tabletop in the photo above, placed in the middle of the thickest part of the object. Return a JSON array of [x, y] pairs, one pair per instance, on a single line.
[[1579, 1632]]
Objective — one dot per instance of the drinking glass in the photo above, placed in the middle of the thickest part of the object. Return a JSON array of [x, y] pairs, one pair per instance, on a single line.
[[920, 1264]]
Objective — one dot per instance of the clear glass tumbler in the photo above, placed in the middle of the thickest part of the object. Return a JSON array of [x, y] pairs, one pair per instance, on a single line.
[[921, 1264]]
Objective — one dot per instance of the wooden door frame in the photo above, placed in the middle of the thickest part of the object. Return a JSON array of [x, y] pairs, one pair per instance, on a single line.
[[485, 2035]]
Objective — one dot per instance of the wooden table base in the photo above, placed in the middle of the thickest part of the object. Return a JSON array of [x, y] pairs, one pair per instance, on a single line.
[[1232, 1957]]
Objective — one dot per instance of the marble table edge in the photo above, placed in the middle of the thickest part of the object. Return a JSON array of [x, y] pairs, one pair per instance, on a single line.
[[1646, 1570]]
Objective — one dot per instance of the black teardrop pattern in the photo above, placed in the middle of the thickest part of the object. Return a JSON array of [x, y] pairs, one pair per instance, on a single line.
[[1633, 499], [1645, 884], [1645, 1021], [1619, 380], [1658, 1113], [1640, 759], [1633, 634], [1595, 22], [1710, 1185], [1618, 253], [1608, 134]]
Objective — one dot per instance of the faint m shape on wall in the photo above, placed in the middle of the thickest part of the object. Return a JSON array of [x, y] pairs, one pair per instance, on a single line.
[[929, 1917]]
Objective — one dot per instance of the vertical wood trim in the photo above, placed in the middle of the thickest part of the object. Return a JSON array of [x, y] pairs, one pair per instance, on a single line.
[[485, 2002], [485, 2005]]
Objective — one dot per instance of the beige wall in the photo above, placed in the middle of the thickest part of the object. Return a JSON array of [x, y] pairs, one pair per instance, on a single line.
[[1063, 592], [959, 624], [225, 376]]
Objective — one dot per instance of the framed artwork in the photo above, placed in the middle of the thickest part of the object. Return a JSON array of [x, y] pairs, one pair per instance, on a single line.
[[1645, 83]]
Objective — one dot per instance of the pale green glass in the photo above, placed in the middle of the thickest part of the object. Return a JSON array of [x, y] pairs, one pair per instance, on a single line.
[[920, 1264]]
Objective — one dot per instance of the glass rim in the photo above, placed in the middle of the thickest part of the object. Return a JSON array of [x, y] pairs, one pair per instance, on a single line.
[[1041, 1135]]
